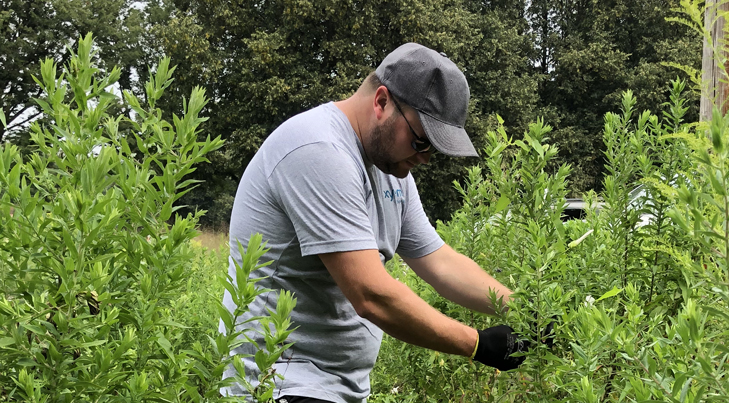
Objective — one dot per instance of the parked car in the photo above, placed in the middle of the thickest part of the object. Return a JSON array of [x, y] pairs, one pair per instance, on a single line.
[[575, 208]]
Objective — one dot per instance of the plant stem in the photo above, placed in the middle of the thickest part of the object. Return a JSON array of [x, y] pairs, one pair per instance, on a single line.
[[653, 378], [726, 232], [658, 223]]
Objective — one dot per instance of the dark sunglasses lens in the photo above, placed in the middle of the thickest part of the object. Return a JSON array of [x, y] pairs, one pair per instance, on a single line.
[[421, 146]]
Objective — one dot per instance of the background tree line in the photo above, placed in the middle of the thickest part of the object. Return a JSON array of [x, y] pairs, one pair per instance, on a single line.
[[263, 61]]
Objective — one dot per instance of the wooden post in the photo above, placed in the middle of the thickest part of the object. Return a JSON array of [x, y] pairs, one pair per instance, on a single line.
[[715, 84]]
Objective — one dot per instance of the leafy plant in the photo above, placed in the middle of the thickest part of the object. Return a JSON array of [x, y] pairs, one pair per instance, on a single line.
[[638, 288], [93, 255]]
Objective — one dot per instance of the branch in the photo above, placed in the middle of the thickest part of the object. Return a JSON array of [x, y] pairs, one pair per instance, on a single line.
[[653, 378], [32, 117]]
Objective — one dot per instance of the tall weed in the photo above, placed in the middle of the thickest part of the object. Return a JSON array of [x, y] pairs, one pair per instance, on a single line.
[[638, 289], [93, 257]]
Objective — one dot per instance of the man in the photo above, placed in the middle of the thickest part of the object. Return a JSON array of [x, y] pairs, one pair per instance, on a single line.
[[331, 192]]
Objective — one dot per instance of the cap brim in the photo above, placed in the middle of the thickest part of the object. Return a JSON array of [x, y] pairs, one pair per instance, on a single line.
[[448, 139]]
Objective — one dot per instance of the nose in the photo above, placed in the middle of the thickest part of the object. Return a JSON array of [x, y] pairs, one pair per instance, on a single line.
[[423, 158]]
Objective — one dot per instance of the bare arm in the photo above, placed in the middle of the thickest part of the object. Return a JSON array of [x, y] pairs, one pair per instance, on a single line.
[[458, 278], [392, 306]]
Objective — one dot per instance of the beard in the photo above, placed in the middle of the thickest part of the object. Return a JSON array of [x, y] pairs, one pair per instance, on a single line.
[[380, 147]]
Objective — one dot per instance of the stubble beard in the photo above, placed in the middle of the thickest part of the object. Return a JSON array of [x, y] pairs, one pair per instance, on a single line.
[[380, 145]]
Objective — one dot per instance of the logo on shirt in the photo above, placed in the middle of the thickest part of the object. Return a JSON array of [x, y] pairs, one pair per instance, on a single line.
[[396, 196]]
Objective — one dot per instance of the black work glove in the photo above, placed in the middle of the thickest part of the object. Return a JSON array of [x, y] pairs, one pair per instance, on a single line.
[[497, 344]]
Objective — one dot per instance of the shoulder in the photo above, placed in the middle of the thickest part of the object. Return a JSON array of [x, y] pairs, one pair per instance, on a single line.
[[316, 138], [320, 158]]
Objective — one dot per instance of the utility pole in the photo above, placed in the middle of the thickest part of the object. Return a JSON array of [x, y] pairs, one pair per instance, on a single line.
[[715, 83]]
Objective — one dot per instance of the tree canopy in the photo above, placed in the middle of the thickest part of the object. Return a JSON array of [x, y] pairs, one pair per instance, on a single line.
[[32, 30], [590, 52], [265, 61]]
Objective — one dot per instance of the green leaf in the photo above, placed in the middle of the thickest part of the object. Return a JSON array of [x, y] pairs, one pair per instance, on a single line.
[[615, 291], [35, 329], [717, 130], [536, 145], [166, 346], [14, 181], [685, 389], [6, 341], [166, 210], [721, 314], [261, 358], [502, 204], [77, 344], [27, 362], [171, 323]]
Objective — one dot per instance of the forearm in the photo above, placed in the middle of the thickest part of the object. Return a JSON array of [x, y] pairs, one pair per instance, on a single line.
[[399, 312], [470, 286], [459, 279], [394, 307]]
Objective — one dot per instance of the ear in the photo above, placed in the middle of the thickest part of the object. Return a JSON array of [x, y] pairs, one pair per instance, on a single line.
[[380, 102]]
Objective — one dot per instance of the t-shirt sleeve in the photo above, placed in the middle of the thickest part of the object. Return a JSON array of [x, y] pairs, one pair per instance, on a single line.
[[418, 237], [320, 187]]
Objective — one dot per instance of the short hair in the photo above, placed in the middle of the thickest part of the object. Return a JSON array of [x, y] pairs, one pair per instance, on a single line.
[[372, 82]]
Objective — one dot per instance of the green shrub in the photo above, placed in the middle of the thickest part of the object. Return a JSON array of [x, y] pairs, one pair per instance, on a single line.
[[93, 257], [641, 305]]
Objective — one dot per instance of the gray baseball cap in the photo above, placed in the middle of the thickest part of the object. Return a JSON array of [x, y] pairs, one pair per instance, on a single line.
[[432, 84]]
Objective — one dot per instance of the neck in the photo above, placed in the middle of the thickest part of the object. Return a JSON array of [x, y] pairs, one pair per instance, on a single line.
[[354, 108]]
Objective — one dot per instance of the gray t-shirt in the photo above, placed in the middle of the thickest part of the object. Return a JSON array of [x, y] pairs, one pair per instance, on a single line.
[[308, 190]]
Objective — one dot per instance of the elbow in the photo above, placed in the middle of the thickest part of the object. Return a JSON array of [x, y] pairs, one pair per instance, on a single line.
[[366, 309], [378, 305], [373, 306], [376, 302]]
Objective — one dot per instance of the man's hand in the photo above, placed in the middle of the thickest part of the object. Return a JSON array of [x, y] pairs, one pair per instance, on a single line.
[[497, 344]]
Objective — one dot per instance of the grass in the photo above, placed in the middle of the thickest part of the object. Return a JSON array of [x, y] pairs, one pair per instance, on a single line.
[[212, 240], [196, 306]]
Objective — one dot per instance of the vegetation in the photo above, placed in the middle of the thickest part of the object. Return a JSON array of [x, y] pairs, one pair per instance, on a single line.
[[640, 309], [93, 256], [263, 62], [105, 297]]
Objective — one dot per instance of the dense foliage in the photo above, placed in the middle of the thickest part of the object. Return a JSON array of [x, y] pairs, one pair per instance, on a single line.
[[565, 61], [93, 255], [639, 288], [104, 298], [264, 61]]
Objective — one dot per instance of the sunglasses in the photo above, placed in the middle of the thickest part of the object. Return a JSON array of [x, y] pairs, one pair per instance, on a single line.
[[420, 144]]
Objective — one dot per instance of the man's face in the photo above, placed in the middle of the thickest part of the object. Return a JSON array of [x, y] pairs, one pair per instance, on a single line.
[[389, 144]]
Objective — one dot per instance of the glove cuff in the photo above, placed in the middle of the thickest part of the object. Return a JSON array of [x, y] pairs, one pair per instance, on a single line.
[[475, 349]]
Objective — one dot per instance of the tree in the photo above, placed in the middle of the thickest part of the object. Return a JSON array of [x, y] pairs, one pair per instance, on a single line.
[[32, 30], [502, 82], [28, 35], [593, 50], [267, 61]]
